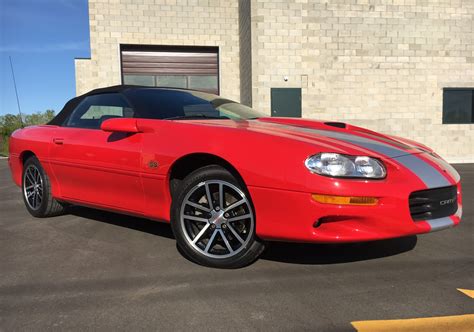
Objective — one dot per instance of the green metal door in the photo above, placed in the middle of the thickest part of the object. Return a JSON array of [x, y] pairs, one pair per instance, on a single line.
[[286, 102]]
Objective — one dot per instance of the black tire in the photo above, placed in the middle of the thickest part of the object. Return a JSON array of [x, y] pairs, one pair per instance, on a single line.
[[45, 205], [239, 237]]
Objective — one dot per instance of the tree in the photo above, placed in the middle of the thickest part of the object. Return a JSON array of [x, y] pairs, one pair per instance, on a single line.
[[38, 118], [11, 122]]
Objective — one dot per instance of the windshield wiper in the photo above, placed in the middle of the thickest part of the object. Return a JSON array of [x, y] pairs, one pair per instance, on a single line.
[[195, 116]]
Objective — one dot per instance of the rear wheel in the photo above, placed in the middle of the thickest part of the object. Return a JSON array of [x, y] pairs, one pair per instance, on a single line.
[[36, 189], [213, 219]]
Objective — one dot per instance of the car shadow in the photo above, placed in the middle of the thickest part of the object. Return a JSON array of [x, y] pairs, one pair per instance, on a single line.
[[121, 220], [117, 136], [304, 253], [293, 253]]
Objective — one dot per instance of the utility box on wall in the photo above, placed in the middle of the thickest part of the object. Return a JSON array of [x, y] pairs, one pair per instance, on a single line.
[[286, 102]]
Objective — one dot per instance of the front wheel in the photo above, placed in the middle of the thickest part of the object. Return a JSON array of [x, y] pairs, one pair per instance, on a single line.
[[213, 220]]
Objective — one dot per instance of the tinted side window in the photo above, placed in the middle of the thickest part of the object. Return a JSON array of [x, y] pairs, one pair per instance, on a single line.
[[94, 110], [163, 104]]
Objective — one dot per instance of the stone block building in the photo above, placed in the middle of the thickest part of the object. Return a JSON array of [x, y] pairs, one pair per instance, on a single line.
[[402, 67]]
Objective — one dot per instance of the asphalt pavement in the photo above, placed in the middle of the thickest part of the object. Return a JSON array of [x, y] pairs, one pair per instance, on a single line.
[[93, 270]]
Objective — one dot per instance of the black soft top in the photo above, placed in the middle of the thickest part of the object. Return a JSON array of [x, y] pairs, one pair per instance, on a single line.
[[59, 119]]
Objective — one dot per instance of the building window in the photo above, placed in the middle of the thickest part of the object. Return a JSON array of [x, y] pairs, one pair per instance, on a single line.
[[194, 68], [458, 105], [145, 80]]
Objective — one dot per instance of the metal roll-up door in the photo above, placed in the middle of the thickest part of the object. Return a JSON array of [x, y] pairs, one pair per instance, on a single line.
[[191, 68]]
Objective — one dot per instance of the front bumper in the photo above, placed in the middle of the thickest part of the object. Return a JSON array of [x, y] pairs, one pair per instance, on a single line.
[[295, 216]]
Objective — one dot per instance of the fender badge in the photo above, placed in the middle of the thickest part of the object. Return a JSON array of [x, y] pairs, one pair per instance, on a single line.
[[153, 164]]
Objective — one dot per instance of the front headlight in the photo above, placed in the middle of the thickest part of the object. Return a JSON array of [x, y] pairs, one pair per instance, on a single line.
[[339, 165]]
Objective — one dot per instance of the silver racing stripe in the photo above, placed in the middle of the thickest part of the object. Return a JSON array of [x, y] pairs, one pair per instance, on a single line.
[[430, 176], [382, 148], [450, 169], [440, 224], [388, 140]]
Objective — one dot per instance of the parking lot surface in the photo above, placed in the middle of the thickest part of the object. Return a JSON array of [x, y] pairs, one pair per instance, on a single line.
[[98, 270]]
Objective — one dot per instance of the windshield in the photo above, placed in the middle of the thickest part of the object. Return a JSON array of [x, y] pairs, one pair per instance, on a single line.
[[181, 104]]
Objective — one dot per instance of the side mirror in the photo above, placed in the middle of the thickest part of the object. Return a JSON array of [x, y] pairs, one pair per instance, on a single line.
[[121, 125]]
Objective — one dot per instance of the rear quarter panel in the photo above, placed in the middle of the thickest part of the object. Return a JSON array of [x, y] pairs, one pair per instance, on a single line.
[[36, 140]]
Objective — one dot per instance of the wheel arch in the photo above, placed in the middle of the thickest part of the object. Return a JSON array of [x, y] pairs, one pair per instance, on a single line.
[[191, 162], [24, 155], [20, 164]]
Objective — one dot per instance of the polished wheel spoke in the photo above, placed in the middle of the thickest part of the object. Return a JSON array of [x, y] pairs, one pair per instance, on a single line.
[[30, 177], [208, 246], [245, 216], [227, 244], [35, 200], [29, 187], [208, 196], [195, 218], [234, 205], [201, 232], [234, 232], [198, 206]]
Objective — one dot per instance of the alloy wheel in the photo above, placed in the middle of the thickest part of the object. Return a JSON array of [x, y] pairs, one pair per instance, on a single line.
[[33, 187], [217, 219]]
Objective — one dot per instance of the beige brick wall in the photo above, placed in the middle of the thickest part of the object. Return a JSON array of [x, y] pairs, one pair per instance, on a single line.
[[380, 64], [161, 22]]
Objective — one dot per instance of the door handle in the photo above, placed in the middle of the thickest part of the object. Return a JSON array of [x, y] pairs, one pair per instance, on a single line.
[[58, 141]]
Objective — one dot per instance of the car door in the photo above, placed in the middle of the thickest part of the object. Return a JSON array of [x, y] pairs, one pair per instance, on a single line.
[[97, 167]]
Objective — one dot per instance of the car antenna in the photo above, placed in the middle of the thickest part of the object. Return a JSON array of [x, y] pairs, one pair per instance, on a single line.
[[16, 92]]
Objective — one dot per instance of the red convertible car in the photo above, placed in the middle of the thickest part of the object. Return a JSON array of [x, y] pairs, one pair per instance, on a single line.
[[227, 178]]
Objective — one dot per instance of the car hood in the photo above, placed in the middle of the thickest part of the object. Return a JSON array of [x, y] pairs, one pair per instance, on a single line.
[[332, 136]]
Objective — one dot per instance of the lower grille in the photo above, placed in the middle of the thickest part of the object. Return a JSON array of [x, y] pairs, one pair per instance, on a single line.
[[433, 203]]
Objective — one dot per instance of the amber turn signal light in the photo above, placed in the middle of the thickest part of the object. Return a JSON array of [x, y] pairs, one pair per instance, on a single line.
[[345, 200]]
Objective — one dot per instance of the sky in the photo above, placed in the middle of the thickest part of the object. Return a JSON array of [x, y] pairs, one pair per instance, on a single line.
[[42, 37]]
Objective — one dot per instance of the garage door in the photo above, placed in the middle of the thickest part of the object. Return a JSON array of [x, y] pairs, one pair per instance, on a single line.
[[179, 67]]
